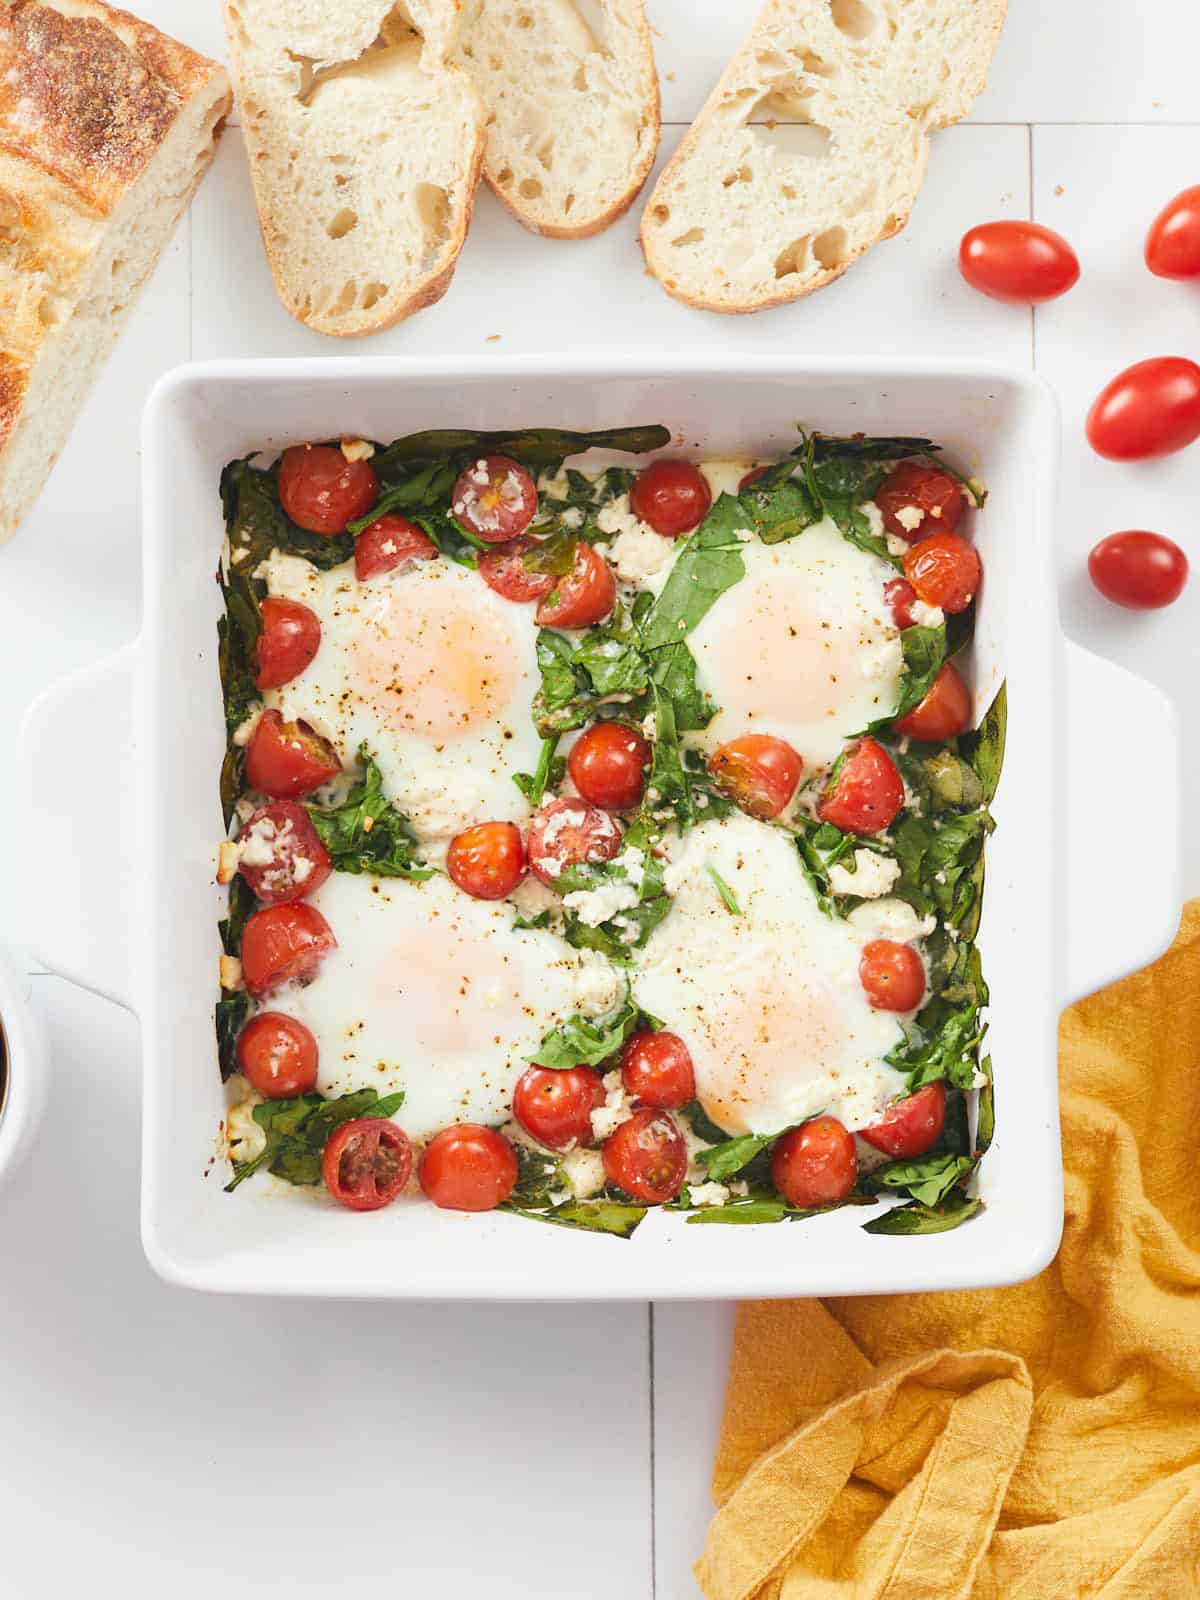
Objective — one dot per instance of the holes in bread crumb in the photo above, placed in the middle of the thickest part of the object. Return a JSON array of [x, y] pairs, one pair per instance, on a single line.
[[816, 66], [504, 175], [692, 236], [853, 18], [530, 188], [433, 208], [343, 223], [793, 258], [373, 294], [743, 174], [787, 191], [831, 248], [580, 81], [805, 141], [346, 300], [568, 203]]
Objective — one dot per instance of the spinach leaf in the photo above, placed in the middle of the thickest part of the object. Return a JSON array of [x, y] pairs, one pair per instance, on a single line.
[[928, 1180], [941, 1043], [581, 1042], [984, 748], [366, 833], [620, 935], [544, 448], [924, 652], [986, 1123], [709, 563], [232, 1009], [614, 1217], [701, 1124], [534, 785], [723, 1160], [742, 1211], [298, 1130], [778, 508], [256, 523], [917, 1218], [728, 899], [937, 857], [241, 907]]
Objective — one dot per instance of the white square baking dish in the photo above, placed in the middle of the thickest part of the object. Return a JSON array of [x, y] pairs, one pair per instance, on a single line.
[[136, 854]]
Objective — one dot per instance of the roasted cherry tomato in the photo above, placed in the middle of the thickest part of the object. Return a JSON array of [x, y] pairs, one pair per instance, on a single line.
[[488, 860], [900, 597], [892, 974], [284, 944], [390, 542], [278, 1055], [815, 1164], [867, 792], [281, 855], [555, 1107], [287, 759], [290, 638], [1173, 243], [944, 712], [916, 499], [568, 833], [656, 1069], [608, 765], [585, 596], [366, 1163], [1150, 409], [944, 570], [647, 1156], [759, 773], [750, 478], [503, 569], [321, 491], [912, 1125], [1140, 570], [468, 1168], [1021, 262], [495, 499], [672, 496]]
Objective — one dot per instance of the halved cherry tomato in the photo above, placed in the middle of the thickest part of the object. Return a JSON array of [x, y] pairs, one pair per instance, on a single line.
[[290, 638], [555, 1107], [608, 765], [390, 542], [278, 1055], [488, 860], [867, 793], [282, 857], [656, 1069], [892, 974], [321, 491], [287, 759], [1017, 261], [585, 596], [567, 833], [815, 1164], [503, 569], [758, 772], [468, 1168], [1173, 243], [366, 1163], [1150, 409], [944, 570], [1139, 570], [495, 498], [750, 478], [912, 1125], [900, 596], [647, 1156], [916, 499], [672, 496], [943, 713], [284, 944]]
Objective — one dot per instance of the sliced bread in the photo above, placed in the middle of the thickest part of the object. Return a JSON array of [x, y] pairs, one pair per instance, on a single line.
[[813, 145]]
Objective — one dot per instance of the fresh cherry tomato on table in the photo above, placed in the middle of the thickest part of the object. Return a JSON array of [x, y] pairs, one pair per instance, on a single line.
[[495, 499], [1173, 243], [608, 765], [278, 1055], [893, 975], [290, 638], [867, 792], [468, 1168], [815, 1164], [1150, 409], [647, 1156], [555, 1106], [944, 570], [284, 944], [287, 759], [569, 833], [390, 542], [758, 772], [321, 491], [585, 596], [899, 596], [944, 712], [672, 496], [488, 860], [282, 857], [1021, 262], [366, 1163], [915, 499], [1137, 569], [911, 1126], [656, 1068], [503, 569]]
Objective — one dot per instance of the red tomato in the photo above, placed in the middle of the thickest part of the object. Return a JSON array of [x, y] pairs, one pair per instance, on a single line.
[[321, 491], [488, 860], [278, 1055], [390, 542], [1140, 570], [567, 833], [916, 499], [1150, 409], [290, 638], [1021, 262], [287, 759], [657, 1070], [758, 772], [468, 1168], [944, 570], [555, 1107], [944, 712], [892, 974], [815, 1164], [647, 1156], [1173, 243], [366, 1163], [911, 1126], [900, 596], [495, 499], [867, 793], [503, 569], [608, 765], [283, 944], [751, 478], [283, 857], [585, 596], [672, 496]]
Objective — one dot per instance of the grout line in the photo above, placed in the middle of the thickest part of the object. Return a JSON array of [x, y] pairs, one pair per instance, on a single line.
[[653, 1513]]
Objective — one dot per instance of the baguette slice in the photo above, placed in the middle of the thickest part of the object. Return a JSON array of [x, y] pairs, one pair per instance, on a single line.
[[106, 127], [572, 107], [813, 145], [365, 143]]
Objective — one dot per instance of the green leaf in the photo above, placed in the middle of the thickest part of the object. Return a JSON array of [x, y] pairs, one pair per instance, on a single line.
[[298, 1130], [366, 833], [533, 785], [928, 1179], [924, 652], [741, 1212], [535, 447], [727, 896], [724, 1160], [595, 1216], [256, 523], [581, 1042], [231, 1012], [986, 1124], [984, 748], [916, 1218], [709, 562], [702, 1124], [942, 1043], [778, 510], [241, 907]]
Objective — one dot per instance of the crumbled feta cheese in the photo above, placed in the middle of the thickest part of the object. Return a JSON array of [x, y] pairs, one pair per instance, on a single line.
[[243, 1136], [357, 449], [891, 919], [572, 517], [910, 518], [244, 729], [230, 972], [616, 1109], [926, 616], [227, 861], [584, 1171], [637, 553], [650, 725], [594, 906], [896, 545], [597, 986], [708, 1194], [873, 875]]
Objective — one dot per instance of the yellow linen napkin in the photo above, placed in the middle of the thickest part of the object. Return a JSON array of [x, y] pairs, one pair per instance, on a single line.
[[1034, 1443]]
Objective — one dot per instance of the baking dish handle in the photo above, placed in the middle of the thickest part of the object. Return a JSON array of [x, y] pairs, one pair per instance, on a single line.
[[76, 775], [1121, 733]]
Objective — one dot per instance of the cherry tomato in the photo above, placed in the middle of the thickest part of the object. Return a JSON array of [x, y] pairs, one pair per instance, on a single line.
[[1140, 570], [282, 857], [916, 499], [815, 1164], [867, 793], [585, 596], [900, 596], [656, 1069], [944, 712], [751, 478], [567, 833], [366, 1163], [555, 1107], [290, 638], [758, 772], [912, 1125], [503, 569], [278, 1055], [488, 860], [468, 1168], [321, 491], [284, 944], [495, 498], [647, 1156], [390, 542], [944, 570], [608, 765], [1020, 262], [1150, 409], [1173, 243], [287, 759], [672, 496], [892, 974]]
